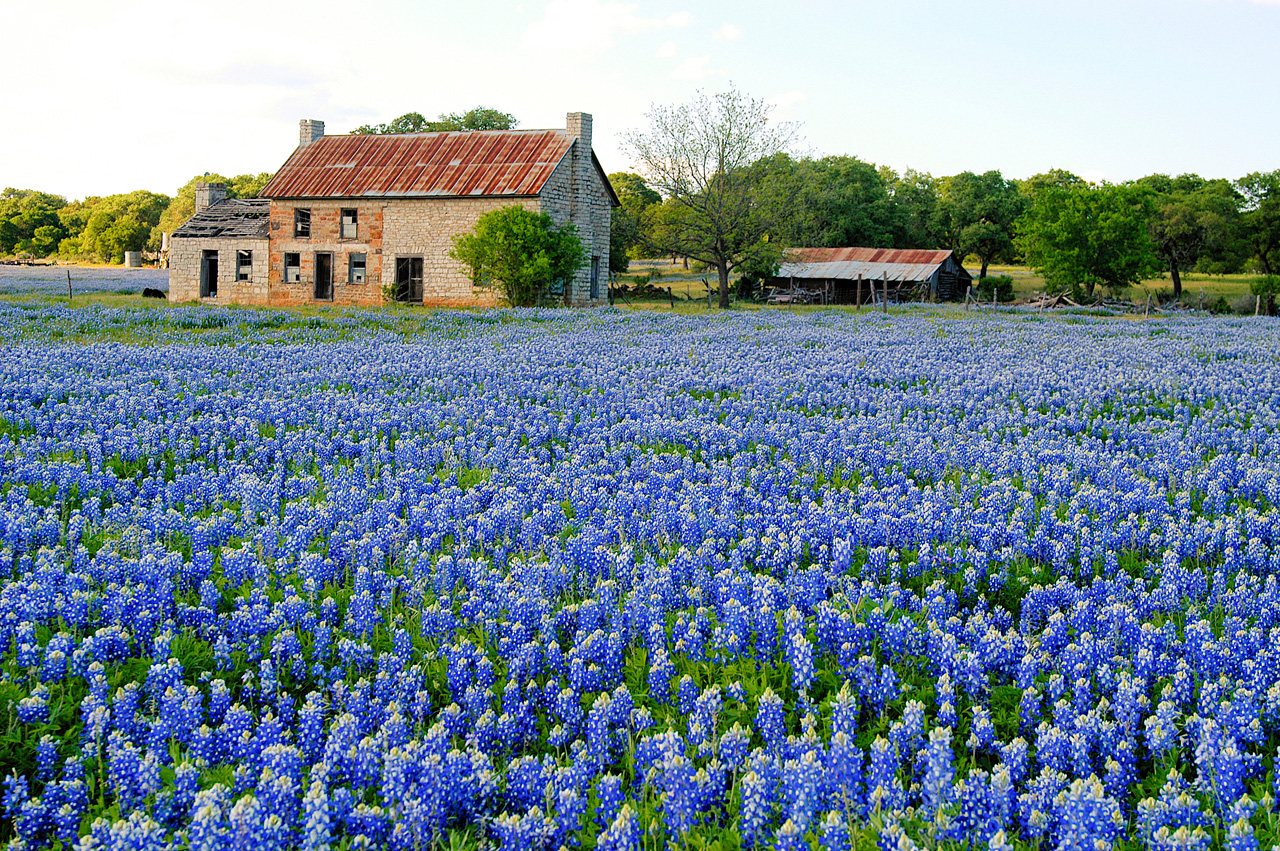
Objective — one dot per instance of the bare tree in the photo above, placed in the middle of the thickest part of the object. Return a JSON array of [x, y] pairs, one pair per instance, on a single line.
[[710, 159]]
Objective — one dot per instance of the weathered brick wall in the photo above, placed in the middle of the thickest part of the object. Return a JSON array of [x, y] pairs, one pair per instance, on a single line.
[[326, 237], [425, 228], [184, 270]]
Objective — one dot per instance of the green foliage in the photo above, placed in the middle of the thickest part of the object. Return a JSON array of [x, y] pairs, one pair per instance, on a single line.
[[978, 213], [628, 226], [522, 254], [1261, 218], [1000, 285], [104, 228], [1268, 285], [840, 201], [1195, 223], [1081, 236], [479, 118], [29, 222]]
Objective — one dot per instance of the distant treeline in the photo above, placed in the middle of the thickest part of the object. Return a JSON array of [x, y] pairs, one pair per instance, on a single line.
[[1079, 234], [38, 224]]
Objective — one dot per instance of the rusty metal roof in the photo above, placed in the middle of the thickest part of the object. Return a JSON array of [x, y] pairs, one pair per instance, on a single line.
[[231, 218], [422, 165], [848, 264]]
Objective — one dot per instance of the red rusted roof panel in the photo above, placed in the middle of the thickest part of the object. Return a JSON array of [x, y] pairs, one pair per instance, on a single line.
[[481, 163], [851, 263]]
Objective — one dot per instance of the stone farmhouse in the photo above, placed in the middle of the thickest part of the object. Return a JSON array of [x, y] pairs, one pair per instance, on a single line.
[[347, 218]]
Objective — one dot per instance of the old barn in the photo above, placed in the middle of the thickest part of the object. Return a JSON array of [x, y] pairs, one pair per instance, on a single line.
[[864, 275]]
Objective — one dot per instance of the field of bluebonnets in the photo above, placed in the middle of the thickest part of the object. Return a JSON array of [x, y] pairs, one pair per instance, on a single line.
[[627, 580]]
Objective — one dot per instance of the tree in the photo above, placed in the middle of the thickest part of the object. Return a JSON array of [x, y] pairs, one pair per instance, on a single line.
[[1192, 218], [981, 210], [1261, 191], [915, 205], [521, 254], [1086, 235], [29, 221], [627, 228], [1269, 286], [105, 228], [480, 118], [703, 157], [840, 201]]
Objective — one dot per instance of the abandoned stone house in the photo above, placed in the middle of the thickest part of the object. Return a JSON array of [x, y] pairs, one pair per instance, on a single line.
[[349, 218]]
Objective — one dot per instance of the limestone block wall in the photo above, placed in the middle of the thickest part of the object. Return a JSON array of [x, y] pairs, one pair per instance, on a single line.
[[185, 255], [425, 228], [577, 195], [326, 237]]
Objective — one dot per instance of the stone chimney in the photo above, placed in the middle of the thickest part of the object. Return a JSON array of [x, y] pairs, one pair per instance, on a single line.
[[309, 130], [208, 194], [578, 126]]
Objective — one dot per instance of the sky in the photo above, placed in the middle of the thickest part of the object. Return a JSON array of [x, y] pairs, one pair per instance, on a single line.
[[105, 97]]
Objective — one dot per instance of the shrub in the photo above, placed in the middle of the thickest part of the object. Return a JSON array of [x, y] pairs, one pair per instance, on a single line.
[[520, 253], [1002, 285]]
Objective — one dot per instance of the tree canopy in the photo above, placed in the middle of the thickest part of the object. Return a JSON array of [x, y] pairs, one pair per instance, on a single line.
[[712, 159], [629, 219], [1261, 218], [479, 118], [1085, 235], [521, 254]]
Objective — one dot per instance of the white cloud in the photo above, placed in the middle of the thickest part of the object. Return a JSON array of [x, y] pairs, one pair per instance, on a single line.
[[696, 68], [592, 26], [667, 50], [786, 100], [728, 32]]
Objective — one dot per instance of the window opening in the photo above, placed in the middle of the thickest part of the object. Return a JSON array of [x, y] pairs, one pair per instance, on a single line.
[[302, 223], [409, 279], [244, 265], [292, 267], [348, 224], [355, 267]]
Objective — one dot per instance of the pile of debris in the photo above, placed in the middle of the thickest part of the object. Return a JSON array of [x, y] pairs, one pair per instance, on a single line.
[[644, 291]]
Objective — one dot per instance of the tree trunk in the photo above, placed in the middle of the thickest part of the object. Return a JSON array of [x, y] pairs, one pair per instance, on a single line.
[[1177, 280], [983, 273], [722, 272]]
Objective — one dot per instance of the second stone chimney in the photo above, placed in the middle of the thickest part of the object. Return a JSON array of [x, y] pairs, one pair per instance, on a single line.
[[309, 129], [577, 125], [208, 194]]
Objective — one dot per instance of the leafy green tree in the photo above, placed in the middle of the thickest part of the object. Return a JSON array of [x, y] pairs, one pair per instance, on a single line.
[[479, 118], [1054, 178], [915, 208], [981, 210], [840, 201], [105, 228], [1269, 286], [521, 254], [25, 219], [1261, 220], [1080, 236], [1192, 219], [627, 231], [709, 158]]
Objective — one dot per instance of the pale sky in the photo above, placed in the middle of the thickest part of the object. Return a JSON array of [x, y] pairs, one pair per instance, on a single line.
[[105, 96]]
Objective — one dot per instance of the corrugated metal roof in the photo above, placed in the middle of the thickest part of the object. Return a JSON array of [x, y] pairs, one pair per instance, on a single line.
[[847, 264], [425, 165], [231, 218]]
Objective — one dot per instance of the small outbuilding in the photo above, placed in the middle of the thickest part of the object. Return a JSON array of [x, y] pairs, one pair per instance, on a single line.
[[221, 254], [866, 275]]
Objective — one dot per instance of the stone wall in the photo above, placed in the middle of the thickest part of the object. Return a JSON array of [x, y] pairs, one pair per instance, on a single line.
[[184, 270], [326, 237], [425, 228]]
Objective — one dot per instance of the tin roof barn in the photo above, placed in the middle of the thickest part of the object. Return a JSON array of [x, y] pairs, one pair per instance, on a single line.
[[863, 275]]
